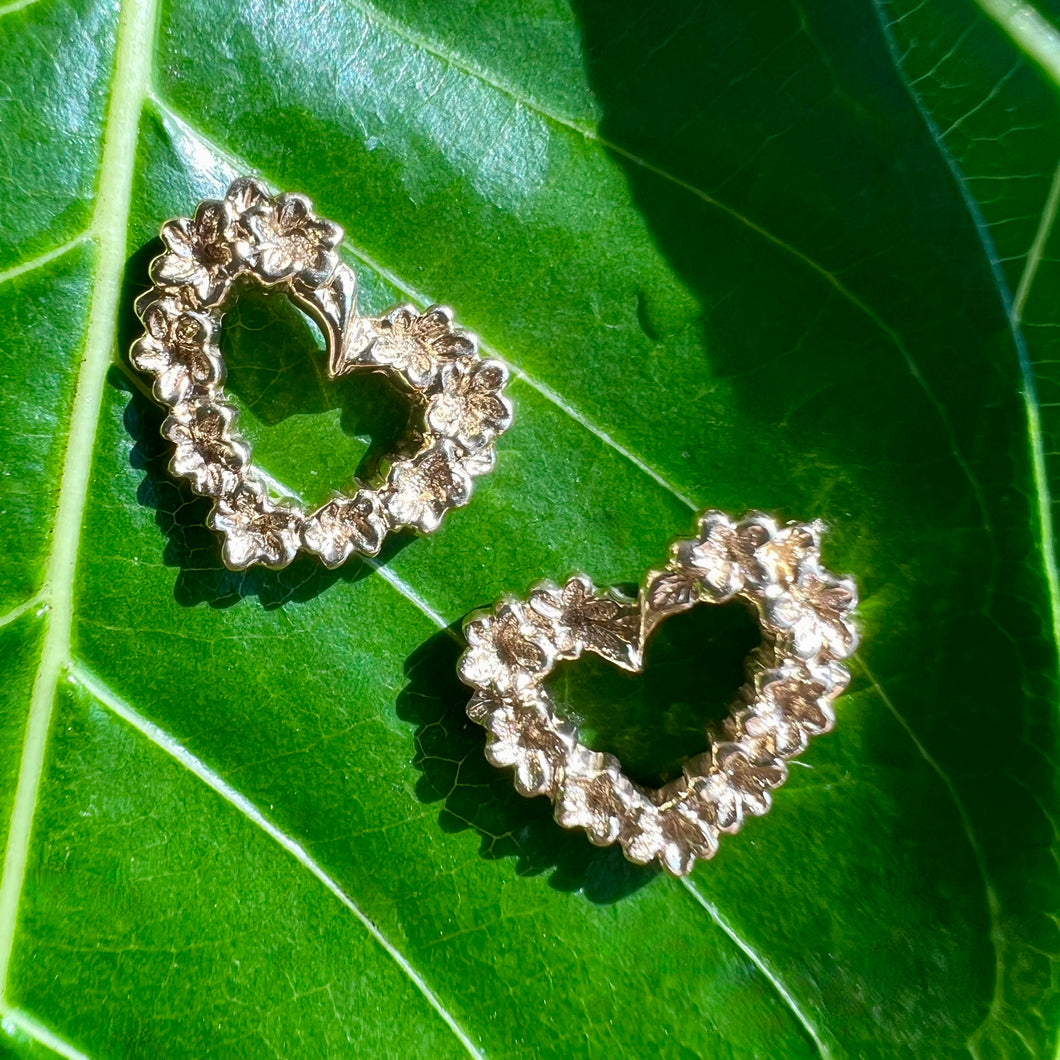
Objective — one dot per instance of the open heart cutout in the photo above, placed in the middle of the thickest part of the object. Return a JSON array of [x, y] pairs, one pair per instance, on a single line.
[[793, 678], [279, 243]]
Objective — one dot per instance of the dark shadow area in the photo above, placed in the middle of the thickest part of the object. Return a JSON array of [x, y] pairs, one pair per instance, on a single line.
[[190, 546], [726, 120], [474, 794], [655, 720], [135, 282]]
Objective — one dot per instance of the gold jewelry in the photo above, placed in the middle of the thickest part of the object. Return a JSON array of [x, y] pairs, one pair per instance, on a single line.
[[278, 242], [794, 677]]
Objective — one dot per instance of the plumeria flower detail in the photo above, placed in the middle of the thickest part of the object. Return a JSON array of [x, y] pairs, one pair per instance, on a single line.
[[421, 490], [794, 678], [346, 525], [505, 651], [480, 462], [750, 781], [418, 344], [528, 739], [200, 259], [470, 408], [810, 603], [256, 530], [713, 567], [289, 240], [244, 194], [177, 347], [277, 242], [720, 556], [795, 704], [683, 836], [205, 452], [597, 802]]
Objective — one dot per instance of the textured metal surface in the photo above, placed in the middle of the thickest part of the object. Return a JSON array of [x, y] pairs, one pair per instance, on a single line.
[[793, 678], [277, 242]]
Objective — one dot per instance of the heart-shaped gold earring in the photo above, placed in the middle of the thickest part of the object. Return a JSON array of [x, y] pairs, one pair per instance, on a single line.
[[277, 242], [793, 677]]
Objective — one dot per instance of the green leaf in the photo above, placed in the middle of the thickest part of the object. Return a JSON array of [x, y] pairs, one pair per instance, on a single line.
[[738, 256]]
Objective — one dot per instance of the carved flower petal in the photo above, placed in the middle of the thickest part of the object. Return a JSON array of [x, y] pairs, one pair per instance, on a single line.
[[344, 526], [174, 383], [752, 781], [317, 265], [244, 193], [598, 805], [209, 222], [204, 451], [481, 665], [173, 270], [469, 408], [542, 748], [420, 490], [716, 556], [149, 354], [292, 211], [480, 462], [178, 237], [240, 549], [256, 531], [275, 261], [683, 839]]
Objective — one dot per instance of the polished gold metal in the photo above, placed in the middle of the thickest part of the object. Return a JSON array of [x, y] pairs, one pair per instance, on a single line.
[[279, 243], [793, 678]]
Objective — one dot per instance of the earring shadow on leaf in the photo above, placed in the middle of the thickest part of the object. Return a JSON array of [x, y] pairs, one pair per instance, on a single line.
[[277, 382], [475, 795]]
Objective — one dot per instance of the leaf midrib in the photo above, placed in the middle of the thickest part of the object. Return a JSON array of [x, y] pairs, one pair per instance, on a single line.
[[134, 53]]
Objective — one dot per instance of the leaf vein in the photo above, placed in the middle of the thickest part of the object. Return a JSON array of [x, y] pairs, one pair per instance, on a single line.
[[17, 612], [399, 29], [1037, 249], [135, 48], [16, 5], [771, 976], [183, 757], [993, 903], [44, 259], [39, 1033]]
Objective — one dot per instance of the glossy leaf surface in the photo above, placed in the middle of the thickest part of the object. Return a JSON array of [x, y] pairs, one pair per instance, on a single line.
[[738, 256]]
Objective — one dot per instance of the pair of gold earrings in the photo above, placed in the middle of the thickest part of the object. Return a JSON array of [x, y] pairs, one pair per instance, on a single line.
[[279, 243]]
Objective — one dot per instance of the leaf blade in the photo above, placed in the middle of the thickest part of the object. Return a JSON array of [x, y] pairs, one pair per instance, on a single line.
[[653, 381]]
